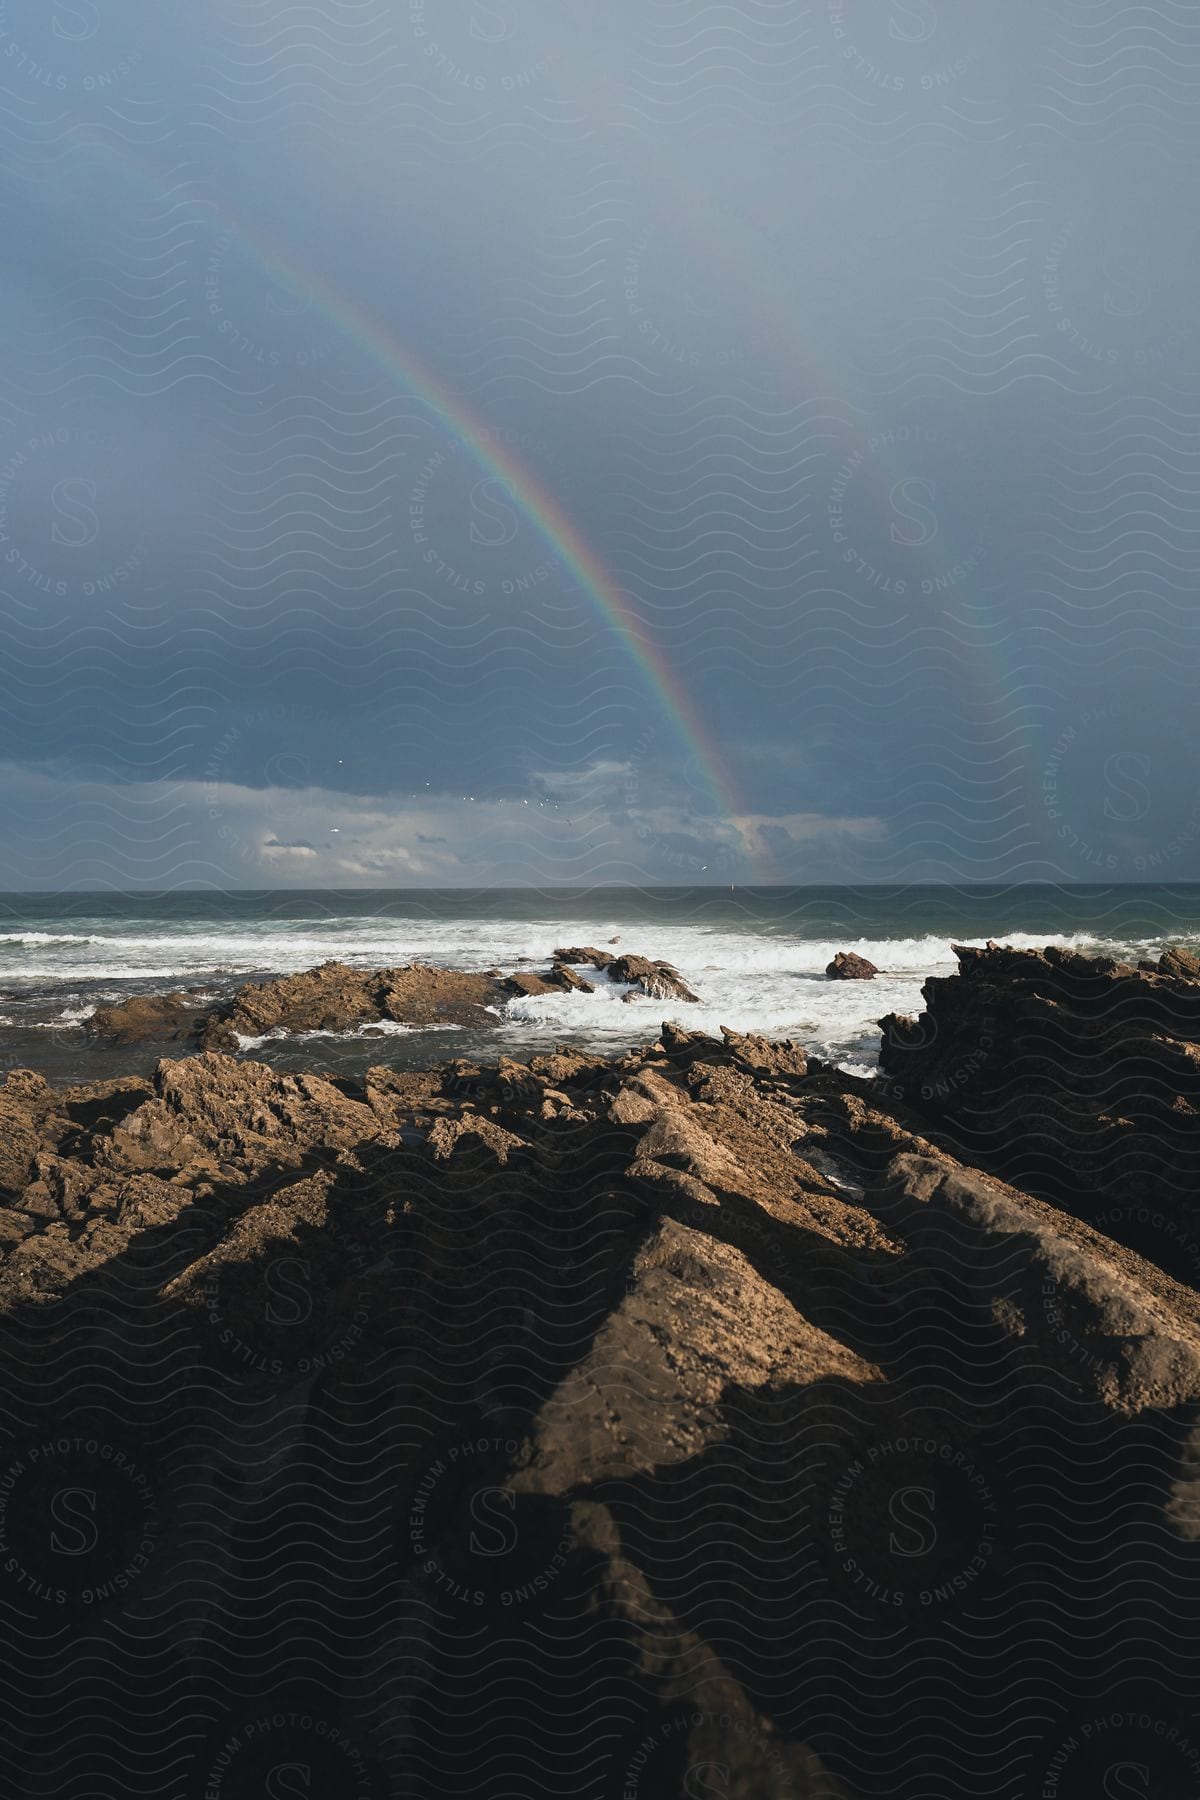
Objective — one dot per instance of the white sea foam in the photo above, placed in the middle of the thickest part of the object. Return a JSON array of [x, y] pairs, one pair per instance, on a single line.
[[770, 980], [47, 937], [369, 1029], [192, 953], [70, 1015], [772, 986], [246, 1042]]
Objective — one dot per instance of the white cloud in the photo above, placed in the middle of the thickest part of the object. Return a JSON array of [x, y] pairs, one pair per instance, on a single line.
[[605, 822]]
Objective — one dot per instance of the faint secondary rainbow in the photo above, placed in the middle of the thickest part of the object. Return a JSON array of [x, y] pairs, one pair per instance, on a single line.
[[540, 507], [746, 273]]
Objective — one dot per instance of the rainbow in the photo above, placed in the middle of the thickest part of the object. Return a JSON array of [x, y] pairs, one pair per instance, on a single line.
[[738, 252], [542, 510]]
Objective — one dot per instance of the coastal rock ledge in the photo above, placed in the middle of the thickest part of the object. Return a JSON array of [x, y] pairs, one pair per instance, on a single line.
[[338, 998], [597, 1388]]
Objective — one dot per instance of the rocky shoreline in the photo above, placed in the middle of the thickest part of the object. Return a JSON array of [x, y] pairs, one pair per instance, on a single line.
[[335, 997], [583, 1423]]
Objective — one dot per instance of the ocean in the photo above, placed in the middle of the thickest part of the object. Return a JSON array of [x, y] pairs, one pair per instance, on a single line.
[[755, 956]]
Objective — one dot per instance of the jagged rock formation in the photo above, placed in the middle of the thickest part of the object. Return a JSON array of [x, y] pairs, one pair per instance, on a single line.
[[333, 997], [560, 978], [1077, 1077], [657, 980], [604, 1426], [847, 966], [597, 959], [338, 998]]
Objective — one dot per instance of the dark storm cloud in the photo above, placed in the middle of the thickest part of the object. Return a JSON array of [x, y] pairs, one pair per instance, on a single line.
[[861, 359]]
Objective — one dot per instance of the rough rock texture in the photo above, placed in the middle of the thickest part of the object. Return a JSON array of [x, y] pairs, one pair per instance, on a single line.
[[1077, 1077], [526, 982], [338, 998], [563, 976], [846, 966], [558, 979], [597, 959], [333, 997], [657, 980], [694, 1421], [165, 1018]]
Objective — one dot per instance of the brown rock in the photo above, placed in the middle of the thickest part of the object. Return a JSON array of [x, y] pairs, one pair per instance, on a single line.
[[338, 998], [166, 1018], [421, 995], [1177, 961], [526, 982], [596, 959], [213, 1111], [658, 980], [484, 1142], [846, 966], [558, 979], [685, 1319], [331, 998], [1078, 1077], [561, 976], [25, 1084], [764, 1056]]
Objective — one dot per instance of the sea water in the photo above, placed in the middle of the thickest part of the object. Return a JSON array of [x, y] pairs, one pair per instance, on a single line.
[[755, 956]]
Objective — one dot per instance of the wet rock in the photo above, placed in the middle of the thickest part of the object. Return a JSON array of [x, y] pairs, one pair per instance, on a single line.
[[337, 998], [657, 980], [596, 959], [561, 976], [166, 1018], [847, 966], [559, 979], [526, 983], [421, 995], [333, 998]]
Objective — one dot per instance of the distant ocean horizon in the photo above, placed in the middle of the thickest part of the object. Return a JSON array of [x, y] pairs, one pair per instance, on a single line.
[[756, 956]]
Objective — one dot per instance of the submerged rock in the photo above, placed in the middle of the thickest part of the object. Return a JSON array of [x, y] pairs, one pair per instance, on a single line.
[[169, 1018]]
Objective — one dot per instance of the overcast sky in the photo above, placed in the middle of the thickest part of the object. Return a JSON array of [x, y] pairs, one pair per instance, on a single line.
[[529, 441]]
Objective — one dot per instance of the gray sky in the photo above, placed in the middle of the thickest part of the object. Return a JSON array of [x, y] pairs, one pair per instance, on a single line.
[[528, 441]]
